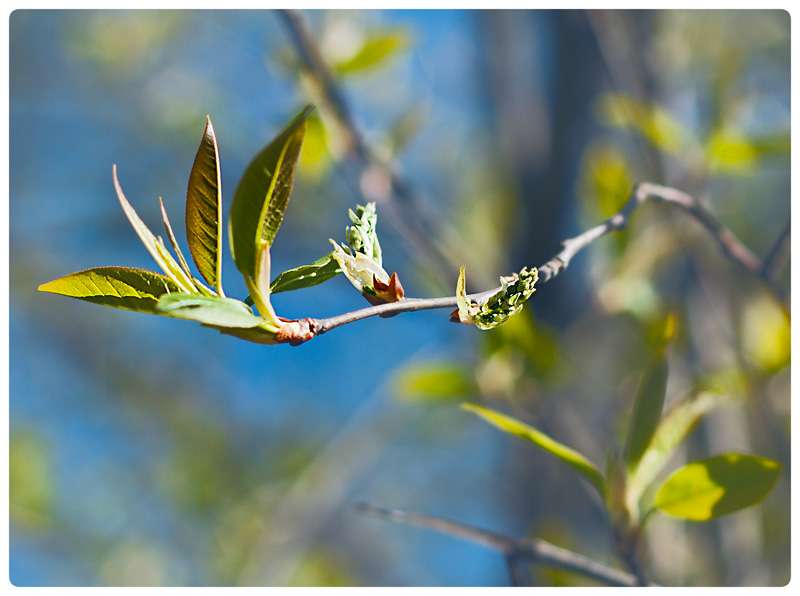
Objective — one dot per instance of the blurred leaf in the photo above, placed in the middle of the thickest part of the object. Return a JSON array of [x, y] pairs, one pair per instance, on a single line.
[[209, 310], [306, 276], [536, 343], [154, 245], [716, 486], [649, 399], [30, 479], [567, 455], [434, 381], [606, 179], [653, 122], [767, 334], [674, 427], [262, 196], [315, 158], [204, 210], [120, 287], [377, 49], [730, 152], [404, 128]]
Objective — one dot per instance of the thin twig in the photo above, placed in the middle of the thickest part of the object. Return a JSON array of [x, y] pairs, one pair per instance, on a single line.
[[777, 254], [731, 246], [516, 550]]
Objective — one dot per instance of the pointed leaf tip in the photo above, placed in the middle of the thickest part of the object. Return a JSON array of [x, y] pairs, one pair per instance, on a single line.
[[204, 210]]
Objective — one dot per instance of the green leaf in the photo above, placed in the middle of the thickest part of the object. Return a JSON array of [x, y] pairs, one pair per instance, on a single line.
[[434, 381], [154, 245], [649, 399], [204, 210], [120, 287], [376, 50], [181, 260], [262, 196], [209, 310], [675, 426], [567, 455], [716, 486], [306, 276]]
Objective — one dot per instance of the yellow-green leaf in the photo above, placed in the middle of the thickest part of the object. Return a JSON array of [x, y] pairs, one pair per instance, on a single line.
[[375, 51], [154, 245], [569, 456], [120, 287], [204, 210], [709, 488], [435, 381]]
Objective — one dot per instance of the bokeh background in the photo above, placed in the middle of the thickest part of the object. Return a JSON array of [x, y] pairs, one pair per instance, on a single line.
[[152, 451]]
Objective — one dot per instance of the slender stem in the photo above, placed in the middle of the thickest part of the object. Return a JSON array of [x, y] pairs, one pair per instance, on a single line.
[[778, 252], [516, 550], [731, 246]]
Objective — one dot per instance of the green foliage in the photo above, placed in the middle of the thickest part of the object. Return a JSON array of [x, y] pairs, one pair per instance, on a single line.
[[374, 52], [496, 309], [259, 205], [649, 399], [204, 210], [306, 276], [216, 311], [569, 456], [434, 381], [709, 488], [30, 479], [120, 287], [651, 121]]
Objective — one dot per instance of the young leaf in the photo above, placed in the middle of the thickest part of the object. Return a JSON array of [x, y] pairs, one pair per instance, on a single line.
[[360, 269], [306, 276], [263, 193], [209, 310], [649, 399], [673, 428], [499, 307], [204, 210], [153, 244], [716, 486], [120, 287], [567, 455], [181, 259], [362, 236]]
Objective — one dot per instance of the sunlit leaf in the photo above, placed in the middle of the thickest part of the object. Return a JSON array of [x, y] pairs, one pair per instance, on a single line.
[[716, 486], [434, 381], [306, 276], [154, 245], [361, 270], [731, 152], [569, 456], [649, 399], [204, 210], [375, 51], [500, 306], [174, 241], [262, 195], [767, 334], [209, 310], [120, 287]]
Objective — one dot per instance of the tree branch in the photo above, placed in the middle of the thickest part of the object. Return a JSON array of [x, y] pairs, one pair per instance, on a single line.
[[731, 246], [515, 550]]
